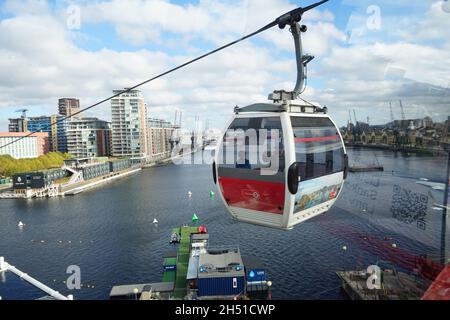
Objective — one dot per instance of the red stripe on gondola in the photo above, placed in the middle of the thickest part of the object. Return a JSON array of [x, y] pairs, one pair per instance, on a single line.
[[254, 195], [317, 139]]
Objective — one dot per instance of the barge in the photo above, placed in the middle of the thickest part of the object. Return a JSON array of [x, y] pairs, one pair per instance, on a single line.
[[394, 286]]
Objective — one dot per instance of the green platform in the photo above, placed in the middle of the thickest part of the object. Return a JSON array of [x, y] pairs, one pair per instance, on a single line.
[[169, 276], [182, 261]]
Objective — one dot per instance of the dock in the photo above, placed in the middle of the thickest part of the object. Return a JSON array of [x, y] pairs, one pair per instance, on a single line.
[[173, 285], [196, 271], [88, 185], [183, 260], [75, 186], [394, 286], [141, 291], [167, 160], [356, 169], [159, 163]]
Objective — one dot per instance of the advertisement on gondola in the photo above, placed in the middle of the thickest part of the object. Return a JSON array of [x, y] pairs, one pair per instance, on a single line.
[[317, 191]]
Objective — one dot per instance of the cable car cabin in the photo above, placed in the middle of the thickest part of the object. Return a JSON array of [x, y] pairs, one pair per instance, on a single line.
[[280, 164]]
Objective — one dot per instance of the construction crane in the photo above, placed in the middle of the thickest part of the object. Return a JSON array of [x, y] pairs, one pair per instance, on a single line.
[[24, 112], [403, 110], [392, 112], [356, 120]]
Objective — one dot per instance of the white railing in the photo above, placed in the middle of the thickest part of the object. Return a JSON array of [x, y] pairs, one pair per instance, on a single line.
[[4, 266]]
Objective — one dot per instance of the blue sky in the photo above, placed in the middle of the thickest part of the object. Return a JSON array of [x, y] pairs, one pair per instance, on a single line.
[[120, 43]]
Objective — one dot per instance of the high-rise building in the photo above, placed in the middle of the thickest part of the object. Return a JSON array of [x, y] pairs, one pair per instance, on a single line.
[[88, 137], [159, 134], [18, 125], [68, 107], [128, 127], [31, 146], [55, 126]]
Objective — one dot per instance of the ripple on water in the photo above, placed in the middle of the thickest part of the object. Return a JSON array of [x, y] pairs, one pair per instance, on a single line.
[[120, 244]]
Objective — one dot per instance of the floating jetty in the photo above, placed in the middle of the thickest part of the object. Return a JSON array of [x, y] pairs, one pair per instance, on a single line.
[[197, 271], [394, 286], [366, 168]]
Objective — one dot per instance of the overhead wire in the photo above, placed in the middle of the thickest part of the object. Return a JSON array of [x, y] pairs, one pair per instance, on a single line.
[[290, 17]]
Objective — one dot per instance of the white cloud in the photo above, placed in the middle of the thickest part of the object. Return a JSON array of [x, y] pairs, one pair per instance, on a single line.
[[26, 6], [209, 19], [436, 23], [40, 62]]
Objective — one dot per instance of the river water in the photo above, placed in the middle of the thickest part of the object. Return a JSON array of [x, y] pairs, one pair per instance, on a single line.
[[109, 234]]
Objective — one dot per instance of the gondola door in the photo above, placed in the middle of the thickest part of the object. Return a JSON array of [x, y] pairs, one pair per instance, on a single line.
[[321, 162]]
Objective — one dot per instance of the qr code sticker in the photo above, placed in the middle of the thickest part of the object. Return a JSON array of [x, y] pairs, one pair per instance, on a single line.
[[409, 207]]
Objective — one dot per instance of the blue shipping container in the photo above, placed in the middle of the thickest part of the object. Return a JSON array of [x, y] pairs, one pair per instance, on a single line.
[[256, 275], [227, 286]]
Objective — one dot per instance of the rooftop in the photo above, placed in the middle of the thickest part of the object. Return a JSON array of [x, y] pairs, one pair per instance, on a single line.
[[221, 263], [200, 236], [252, 262], [23, 134], [129, 290]]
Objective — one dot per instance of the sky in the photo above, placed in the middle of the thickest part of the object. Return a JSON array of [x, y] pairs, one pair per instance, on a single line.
[[368, 52]]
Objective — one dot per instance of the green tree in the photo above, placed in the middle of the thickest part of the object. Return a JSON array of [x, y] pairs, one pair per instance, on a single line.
[[10, 166]]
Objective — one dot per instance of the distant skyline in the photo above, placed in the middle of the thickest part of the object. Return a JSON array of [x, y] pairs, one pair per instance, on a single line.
[[367, 54]]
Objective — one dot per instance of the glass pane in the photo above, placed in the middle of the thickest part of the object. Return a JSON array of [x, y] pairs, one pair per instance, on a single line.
[[318, 147], [253, 144]]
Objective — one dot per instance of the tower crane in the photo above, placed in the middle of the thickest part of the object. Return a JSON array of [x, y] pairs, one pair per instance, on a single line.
[[24, 112], [392, 112]]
